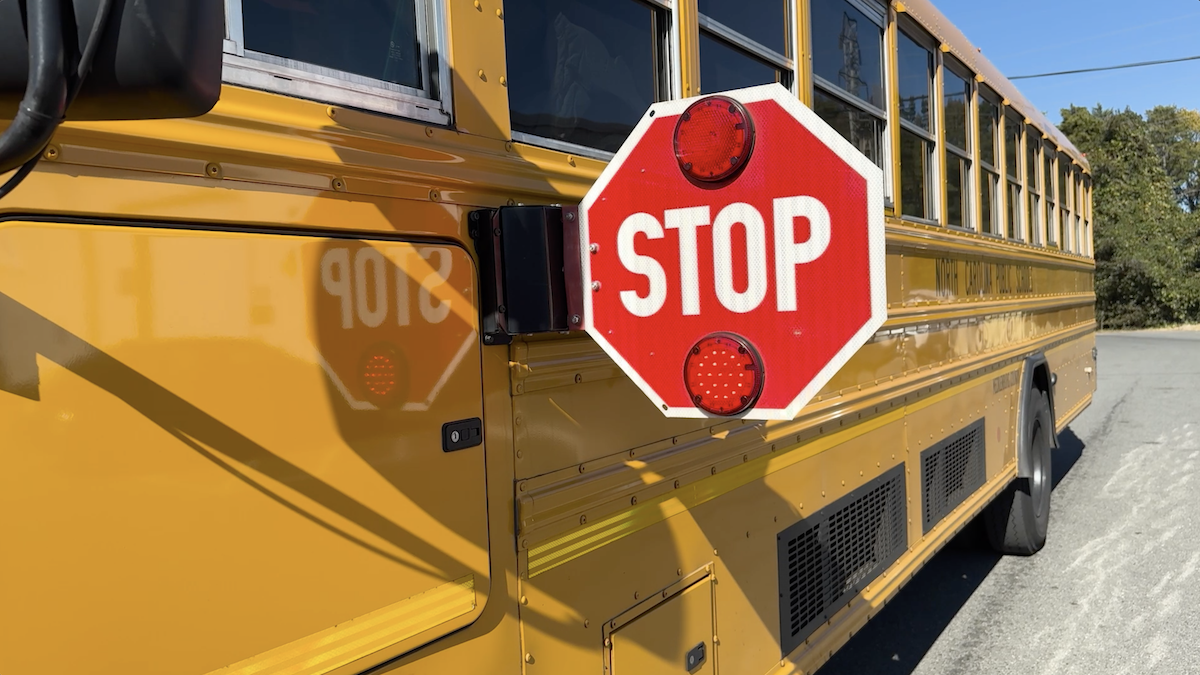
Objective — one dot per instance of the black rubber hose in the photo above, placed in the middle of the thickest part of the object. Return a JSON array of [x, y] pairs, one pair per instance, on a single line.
[[45, 100]]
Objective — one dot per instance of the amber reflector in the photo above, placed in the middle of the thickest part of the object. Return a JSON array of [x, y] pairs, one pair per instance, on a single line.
[[379, 373], [723, 374], [713, 139]]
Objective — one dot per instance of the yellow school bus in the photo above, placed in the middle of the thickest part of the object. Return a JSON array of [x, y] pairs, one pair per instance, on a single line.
[[254, 421]]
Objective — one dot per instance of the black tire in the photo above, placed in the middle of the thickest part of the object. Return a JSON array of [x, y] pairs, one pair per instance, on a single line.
[[1018, 519]]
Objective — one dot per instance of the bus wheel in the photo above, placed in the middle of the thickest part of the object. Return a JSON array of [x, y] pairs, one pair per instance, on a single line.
[[1017, 520]]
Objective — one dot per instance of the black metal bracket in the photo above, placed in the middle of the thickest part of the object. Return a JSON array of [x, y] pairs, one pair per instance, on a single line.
[[529, 270]]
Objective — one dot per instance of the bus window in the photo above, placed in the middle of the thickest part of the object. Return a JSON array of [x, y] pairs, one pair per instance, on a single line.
[[744, 44], [847, 60], [380, 56], [956, 112], [724, 67], [1033, 211], [757, 20], [377, 40], [1064, 201], [917, 141], [989, 120], [1014, 131], [1051, 209], [583, 72]]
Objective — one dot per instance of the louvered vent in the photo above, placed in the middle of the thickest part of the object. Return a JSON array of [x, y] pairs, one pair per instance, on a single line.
[[950, 472], [826, 559]]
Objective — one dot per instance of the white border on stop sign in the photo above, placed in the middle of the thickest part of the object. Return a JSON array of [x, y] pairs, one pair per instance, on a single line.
[[875, 244]]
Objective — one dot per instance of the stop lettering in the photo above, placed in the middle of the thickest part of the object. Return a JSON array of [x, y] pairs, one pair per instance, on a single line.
[[733, 255]]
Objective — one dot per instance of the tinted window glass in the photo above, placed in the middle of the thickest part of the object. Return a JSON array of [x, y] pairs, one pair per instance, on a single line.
[[988, 118], [1032, 209], [760, 20], [1064, 181], [914, 171], [862, 129], [581, 71], [987, 202], [723, 67], [1048, 171], [1031, 158], [955, 102], [1012, 148], [1014, 211], [1050, 236], [377, 40], [847, 49], [916, 81], [956, 190]]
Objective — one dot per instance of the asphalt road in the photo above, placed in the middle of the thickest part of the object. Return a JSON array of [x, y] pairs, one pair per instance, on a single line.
[[1117, 588]]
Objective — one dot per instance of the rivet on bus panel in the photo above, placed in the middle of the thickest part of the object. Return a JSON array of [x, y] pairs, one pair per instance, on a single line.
[[482, 75]]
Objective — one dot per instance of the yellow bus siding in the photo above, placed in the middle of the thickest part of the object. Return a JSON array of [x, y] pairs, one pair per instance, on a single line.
[[192, 483]]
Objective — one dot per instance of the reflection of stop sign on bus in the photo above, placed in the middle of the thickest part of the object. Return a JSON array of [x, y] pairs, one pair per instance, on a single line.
[[390, 328], [733, 255]]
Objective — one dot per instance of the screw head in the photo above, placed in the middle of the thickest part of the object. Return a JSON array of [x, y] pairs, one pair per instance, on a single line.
[[575, 319], [595, 286], [594, 248]]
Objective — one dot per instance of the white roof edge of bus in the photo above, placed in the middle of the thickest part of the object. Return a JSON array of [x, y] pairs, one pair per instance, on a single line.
[[932, 20]]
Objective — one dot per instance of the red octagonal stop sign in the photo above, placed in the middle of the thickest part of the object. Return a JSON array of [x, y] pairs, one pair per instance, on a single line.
[[777, 272]]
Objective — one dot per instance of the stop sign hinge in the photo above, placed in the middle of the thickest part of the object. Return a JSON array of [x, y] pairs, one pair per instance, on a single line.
[[529, 268]]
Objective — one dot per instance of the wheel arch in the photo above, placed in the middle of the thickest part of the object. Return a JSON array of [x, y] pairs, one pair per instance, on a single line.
[[1035, 376]]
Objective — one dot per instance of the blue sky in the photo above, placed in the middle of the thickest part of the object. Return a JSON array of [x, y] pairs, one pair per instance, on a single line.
[[1024, 37]]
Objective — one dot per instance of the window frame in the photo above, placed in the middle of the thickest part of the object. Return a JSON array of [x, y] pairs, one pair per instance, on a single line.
[[1014, 212], [741, 43], [670, 81], [994, 169], [881, 16], [1050, 196], [1077, 209], [960, 70], [1064, 200], [923, 39], [1033, 186], [432, 103]]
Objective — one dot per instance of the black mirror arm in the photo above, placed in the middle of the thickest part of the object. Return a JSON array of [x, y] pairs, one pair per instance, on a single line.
[[45, 102]]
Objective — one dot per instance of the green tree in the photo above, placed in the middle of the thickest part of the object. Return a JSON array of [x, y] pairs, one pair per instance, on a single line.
[[1175, 135], [1145, 243]]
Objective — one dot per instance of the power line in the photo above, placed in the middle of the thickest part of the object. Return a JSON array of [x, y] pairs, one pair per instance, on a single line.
[[1094, 70]]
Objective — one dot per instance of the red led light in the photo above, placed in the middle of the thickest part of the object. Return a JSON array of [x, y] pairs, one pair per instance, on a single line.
[[713, 139], [723, 374], [379, 374]]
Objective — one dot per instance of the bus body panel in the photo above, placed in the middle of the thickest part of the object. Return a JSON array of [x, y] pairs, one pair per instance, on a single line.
[[235, 444]]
